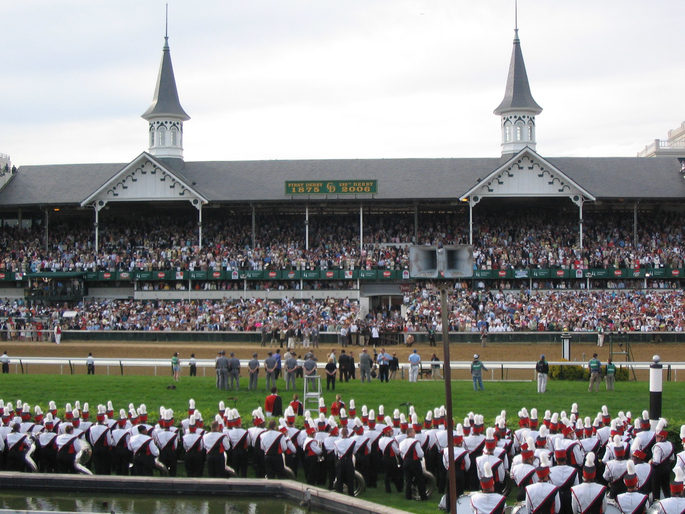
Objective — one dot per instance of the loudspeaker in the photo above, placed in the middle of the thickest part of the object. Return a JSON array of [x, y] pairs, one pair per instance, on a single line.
[[423, 262], [447, 262], [458, 261]]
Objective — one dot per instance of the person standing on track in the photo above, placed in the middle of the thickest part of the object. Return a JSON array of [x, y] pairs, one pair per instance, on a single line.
[[477, 368], [542, 369], [175, 366], [595, 367]]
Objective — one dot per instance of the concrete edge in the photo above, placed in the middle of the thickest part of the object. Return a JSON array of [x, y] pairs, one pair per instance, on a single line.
[[297, 492]]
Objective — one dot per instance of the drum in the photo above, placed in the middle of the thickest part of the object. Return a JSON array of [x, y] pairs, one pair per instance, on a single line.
[[612, 507]]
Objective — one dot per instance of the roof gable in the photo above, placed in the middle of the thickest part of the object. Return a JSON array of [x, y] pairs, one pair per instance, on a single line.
[[145, 179], [527, 175]]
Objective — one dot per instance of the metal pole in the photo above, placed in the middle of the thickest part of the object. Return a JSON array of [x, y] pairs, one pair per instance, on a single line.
[[97, 233], [361, 229], [416, 224], [306, 227], [580, 223], [635, 225], [655, 389], [470, 222], [254, 237], [448, 399], [47, 232], [199, 226]]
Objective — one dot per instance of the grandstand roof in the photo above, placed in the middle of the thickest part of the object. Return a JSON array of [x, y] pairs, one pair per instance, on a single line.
[[398, 179]]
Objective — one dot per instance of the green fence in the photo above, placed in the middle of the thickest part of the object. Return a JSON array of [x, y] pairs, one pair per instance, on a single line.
[[320, 274]]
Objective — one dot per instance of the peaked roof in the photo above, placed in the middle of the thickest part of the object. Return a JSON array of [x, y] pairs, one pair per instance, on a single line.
[[528, 162], [134, 172], [165, 101], [517, 95]]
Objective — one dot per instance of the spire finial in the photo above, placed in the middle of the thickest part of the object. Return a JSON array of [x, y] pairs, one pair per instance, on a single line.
[[166, 25], [516, 19]]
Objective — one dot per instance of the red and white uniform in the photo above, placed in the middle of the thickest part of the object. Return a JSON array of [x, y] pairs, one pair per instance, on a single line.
[[498, 471], [139, 441], [542, 496], [523, 473], [487, 503], [614, 470], [674, 505], [273, 438], [460, 456], [216, 441], [631, 503], [311, 447], [588, 495]]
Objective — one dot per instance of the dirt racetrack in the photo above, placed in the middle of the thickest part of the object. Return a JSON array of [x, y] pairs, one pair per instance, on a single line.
[[458, 352]]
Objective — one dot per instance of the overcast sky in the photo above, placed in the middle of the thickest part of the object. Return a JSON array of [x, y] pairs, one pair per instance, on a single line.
[[326, 79]]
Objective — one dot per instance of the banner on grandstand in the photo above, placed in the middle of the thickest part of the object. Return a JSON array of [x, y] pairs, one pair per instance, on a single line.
[[331, 187]]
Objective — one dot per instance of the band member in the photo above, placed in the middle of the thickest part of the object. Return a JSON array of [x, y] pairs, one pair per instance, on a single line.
[[194, 449], [216, 444], [543, 496], [589, 497], [144, 450], [344, 451], [632, 501], [100, 438], [239, 439], [412, 454], [274, 445], [487, 501], [166, 438]]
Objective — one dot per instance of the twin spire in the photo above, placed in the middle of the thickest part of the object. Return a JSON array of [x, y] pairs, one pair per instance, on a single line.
[[166, 116], [517, 109]]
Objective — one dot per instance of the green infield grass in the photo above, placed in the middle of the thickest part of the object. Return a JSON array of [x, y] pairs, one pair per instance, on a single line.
[[423, 395]]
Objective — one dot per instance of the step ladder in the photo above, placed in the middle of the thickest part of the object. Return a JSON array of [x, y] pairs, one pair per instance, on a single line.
[[312, 393], [623, 344]]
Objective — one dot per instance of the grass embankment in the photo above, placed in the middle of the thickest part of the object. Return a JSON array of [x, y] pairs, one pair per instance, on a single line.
[[424, 395]]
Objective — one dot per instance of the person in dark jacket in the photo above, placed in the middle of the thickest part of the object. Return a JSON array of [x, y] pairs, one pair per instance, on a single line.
[[542, 369]]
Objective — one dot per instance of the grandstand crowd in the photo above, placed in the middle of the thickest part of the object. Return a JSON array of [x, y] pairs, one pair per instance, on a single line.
[[470, 311], [588, 458], [502, 240]]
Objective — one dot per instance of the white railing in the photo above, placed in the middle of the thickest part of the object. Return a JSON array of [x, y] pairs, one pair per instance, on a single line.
[[497, 369]]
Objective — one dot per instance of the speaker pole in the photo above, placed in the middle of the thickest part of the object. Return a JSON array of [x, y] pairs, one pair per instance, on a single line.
[[449, 423]]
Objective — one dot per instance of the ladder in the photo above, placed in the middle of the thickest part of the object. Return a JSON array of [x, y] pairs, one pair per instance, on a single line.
[[624, 348], [312, 393]]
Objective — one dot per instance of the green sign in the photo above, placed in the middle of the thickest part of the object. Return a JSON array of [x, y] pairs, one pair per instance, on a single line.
[[331, 187]]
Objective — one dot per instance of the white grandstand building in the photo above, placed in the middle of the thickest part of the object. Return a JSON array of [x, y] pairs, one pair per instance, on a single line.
[[159, 179]]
